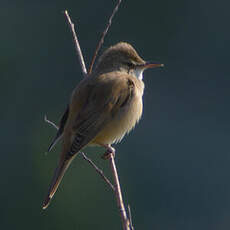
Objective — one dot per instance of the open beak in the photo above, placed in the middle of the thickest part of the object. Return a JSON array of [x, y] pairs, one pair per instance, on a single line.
[[151, 64]]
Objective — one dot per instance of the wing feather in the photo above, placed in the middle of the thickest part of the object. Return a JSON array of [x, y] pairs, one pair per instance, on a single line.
[[104, 102], [60, 130]]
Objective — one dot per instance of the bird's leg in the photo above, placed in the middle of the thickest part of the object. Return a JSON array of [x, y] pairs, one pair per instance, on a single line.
[[109, 150]]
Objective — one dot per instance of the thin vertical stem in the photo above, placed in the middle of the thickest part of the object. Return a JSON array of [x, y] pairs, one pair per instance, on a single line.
[[77, 45], [118, 194]]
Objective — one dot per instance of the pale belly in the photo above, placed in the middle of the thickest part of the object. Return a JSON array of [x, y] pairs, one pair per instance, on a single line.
[[122, 123]]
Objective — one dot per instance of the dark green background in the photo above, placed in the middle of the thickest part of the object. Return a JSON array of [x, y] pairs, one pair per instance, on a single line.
[[174, 168]]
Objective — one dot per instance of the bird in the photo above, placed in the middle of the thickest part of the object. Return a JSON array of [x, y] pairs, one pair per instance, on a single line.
[[103, 108]]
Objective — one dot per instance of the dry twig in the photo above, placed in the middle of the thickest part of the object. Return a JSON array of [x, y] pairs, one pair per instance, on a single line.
[[120, 203], [101, 41], [130, 218], [100, 172], [77, 45], [50, 122]]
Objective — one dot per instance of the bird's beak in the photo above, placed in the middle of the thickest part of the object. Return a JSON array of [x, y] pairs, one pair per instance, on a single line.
[[151, 64]]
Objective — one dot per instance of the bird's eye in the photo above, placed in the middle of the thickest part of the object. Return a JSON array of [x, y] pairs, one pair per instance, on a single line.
[[129, 64]]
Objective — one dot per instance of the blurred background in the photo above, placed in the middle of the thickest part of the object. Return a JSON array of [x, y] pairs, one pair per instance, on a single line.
[[174, 167]]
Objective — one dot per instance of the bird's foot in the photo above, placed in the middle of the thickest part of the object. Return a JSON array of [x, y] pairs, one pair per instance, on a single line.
[[109, 150]]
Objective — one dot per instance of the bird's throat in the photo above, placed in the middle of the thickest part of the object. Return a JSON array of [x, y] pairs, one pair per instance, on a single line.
[[138, 73]]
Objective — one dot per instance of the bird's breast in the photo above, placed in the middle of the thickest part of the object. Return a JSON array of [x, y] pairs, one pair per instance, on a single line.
[[124, 120]]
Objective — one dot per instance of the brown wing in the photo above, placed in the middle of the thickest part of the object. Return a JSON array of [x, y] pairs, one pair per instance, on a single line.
[[110, 93], [60, 130]]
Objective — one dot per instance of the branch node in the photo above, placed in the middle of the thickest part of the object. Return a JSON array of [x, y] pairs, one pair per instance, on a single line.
[[99, 171]]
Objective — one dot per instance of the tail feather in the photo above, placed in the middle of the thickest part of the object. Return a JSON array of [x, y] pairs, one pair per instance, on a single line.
[[56, 180]]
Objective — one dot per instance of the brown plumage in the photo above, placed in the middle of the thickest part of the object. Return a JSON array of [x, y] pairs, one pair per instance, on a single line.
[[103, 107]]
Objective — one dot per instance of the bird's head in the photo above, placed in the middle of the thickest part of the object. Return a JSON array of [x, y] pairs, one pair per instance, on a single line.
[[123, 57]]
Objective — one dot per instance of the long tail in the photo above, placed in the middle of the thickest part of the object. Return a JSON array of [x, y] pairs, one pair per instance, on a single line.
[[56, 180]]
